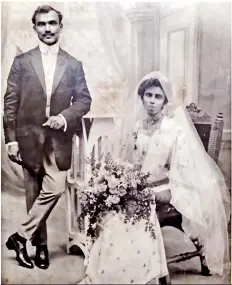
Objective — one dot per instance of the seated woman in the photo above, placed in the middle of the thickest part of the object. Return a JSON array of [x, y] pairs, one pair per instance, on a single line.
[[166, 141], [158, 137], [126, 253]]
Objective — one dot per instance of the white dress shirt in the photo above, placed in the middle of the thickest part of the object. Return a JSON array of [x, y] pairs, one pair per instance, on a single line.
[[49, 59]]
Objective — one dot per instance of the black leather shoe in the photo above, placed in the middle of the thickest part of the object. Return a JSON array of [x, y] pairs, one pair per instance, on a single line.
[[41, 257], [18, 244]]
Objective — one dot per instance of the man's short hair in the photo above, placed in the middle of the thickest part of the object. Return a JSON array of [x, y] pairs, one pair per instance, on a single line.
[[45, 9]]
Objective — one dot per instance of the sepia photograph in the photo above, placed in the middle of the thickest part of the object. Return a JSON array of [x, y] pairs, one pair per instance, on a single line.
[[116, 142]]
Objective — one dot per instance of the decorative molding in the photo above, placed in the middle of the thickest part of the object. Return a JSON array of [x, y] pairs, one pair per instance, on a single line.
[[141, 13], [144, 47], [169, 8], [183, 16], [197, 115], [219, 139], [192, 107]]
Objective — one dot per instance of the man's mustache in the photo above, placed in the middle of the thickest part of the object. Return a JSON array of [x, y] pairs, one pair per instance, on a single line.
[[48, 34]]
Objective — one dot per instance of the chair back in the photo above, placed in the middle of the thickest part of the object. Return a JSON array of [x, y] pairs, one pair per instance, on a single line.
[[209, 129]]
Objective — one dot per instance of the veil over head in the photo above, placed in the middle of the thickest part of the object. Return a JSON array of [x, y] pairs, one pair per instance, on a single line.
[[197, 185], [134, 111]]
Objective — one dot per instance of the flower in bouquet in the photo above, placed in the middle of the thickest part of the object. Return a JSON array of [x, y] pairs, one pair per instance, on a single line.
[[113, 190], [84, 199], [132, 206], [112, 199], [145, 203], [121, 190], [134, 183], [147, 191], [101, 188]]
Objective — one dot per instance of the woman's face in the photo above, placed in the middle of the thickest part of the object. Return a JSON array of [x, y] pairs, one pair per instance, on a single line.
[[153, 100]]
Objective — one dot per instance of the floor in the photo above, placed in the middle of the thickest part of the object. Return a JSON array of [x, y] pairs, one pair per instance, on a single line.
[[69, 269]]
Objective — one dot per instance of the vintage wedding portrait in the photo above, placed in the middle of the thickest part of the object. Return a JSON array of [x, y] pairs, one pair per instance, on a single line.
[[116, 143]]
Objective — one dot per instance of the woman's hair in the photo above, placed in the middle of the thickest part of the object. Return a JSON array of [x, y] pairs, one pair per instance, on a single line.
[[43, 9], [147, 83]]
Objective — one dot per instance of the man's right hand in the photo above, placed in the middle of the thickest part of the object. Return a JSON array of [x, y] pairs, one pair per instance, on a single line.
[[13, 153]]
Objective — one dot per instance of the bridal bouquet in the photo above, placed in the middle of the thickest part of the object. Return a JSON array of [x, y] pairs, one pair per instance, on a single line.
[[119, 187]]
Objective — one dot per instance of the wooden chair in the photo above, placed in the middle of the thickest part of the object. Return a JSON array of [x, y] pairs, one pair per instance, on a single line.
[[210, 131]]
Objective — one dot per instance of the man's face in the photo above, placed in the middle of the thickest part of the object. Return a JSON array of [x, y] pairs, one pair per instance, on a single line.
[[48, 27]]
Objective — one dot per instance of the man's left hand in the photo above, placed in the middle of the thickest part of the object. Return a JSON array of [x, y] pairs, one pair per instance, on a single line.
[[55, 122]]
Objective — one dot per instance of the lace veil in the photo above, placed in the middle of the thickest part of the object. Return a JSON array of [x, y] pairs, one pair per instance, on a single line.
[[197, 185]]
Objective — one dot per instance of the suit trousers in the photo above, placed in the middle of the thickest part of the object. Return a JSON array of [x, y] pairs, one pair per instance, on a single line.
[[42, 193]]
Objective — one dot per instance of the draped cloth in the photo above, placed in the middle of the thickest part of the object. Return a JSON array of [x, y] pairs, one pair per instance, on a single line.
[[198, 188], [113, 31]]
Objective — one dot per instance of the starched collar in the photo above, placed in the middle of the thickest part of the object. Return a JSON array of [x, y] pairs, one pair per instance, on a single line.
[[46, 49]]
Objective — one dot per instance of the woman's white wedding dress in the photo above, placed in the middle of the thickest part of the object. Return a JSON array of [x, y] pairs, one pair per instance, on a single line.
[[126, 253]]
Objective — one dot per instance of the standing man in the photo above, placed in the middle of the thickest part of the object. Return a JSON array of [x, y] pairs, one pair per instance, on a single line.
[[45, 100]]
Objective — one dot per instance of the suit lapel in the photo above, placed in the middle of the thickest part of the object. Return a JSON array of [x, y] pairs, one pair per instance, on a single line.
[[37, 64], [61, 66]]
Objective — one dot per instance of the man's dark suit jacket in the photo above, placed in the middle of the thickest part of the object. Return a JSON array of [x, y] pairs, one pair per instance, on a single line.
[[25, 106]]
